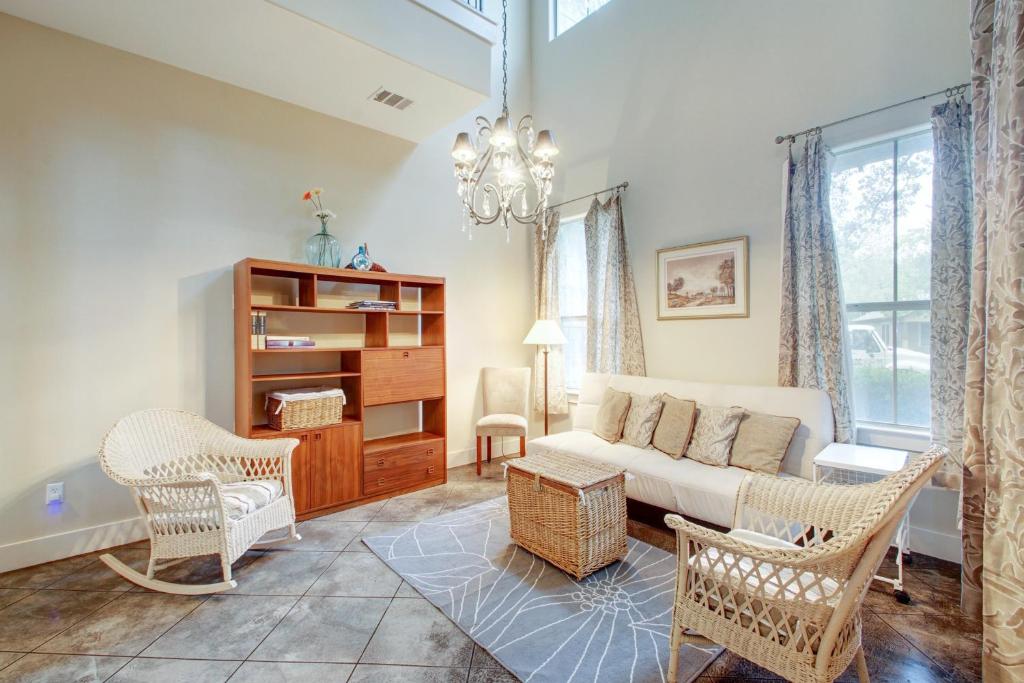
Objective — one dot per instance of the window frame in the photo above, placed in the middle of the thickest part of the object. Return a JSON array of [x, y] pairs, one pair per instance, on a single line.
[[553, 31], [890, 434], [574, 392]]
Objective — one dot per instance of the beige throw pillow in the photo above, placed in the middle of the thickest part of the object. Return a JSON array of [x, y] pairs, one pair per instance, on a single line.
[[641, 420], [713, 434], [611, 415], [761, 442], [675, 426]]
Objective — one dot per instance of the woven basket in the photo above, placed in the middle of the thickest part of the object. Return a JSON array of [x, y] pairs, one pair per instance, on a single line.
[[304, 414], [549, 517]]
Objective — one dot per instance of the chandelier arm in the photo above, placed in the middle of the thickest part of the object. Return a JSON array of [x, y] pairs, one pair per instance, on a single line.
[[483, 219]]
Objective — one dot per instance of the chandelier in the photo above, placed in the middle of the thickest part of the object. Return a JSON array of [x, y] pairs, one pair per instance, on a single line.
[[493, 173]]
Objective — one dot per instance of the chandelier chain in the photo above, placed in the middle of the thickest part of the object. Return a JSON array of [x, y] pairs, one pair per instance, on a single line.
[[504, 57]]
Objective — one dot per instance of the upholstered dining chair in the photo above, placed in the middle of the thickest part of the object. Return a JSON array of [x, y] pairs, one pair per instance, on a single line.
[[506, 405], [784, 588], [200, 489]]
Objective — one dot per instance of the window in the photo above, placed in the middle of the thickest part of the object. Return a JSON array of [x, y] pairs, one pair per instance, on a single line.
[[572, 298], [567, 13], [881, 212]]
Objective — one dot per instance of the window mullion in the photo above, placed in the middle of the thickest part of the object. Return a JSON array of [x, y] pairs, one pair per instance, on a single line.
[[895, 274]]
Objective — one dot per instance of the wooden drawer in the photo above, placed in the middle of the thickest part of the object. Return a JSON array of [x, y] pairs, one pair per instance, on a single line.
[[402, 467], [396, 375]]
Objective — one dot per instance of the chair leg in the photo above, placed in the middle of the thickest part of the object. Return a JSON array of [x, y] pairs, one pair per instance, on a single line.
[[478, 454], [673, 653], [862, 667], [488, 449], [225, 567], [151, 569], [522, 446]]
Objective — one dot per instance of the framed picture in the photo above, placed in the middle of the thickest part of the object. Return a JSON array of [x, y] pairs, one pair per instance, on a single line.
[[706, 280]]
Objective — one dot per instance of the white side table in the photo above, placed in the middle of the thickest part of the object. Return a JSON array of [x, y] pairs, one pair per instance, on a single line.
[[841, 463]]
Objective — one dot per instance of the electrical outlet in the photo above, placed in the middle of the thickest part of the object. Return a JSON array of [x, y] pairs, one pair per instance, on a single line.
[[55, 492]]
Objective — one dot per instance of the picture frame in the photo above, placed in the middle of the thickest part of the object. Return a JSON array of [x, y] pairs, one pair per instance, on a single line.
[[704, 280]]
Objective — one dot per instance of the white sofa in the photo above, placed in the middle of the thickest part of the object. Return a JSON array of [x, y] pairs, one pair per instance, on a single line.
[[686, 486]]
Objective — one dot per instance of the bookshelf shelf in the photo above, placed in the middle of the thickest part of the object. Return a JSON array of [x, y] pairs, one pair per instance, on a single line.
[[382, 358], [302, 375]]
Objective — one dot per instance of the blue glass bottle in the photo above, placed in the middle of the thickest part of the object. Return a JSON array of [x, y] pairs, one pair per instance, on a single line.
[[323, 249], [361, 261]]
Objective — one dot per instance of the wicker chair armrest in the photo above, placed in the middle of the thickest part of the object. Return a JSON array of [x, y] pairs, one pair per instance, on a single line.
[[793, 558]]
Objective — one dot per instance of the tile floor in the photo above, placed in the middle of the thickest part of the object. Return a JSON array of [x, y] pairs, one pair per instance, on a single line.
[[325, 609]]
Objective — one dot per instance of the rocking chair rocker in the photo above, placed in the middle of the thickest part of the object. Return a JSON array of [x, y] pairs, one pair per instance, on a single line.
[[200, 489]]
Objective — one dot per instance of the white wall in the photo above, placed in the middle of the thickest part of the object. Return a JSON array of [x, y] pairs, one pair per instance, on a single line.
[[128, 189], [684, 100]]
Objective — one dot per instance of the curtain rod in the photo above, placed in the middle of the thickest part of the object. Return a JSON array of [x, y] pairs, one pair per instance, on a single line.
[[621, 186], [948, 92]]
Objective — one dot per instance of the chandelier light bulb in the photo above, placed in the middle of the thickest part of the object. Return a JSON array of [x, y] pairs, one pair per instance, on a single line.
[[501, 136], [462, 150], [545, 147]]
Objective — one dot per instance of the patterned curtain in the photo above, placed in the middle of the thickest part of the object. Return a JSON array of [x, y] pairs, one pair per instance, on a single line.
[[545, 301], [813, 347], [952, 201], [614, 342], [993, 489]]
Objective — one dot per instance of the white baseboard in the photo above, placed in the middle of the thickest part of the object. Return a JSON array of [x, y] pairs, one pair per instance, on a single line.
[[936, 544], [70, 543]]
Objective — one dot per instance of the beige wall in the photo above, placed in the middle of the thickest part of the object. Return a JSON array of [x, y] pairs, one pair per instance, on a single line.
[[127, 191], [684, 100]]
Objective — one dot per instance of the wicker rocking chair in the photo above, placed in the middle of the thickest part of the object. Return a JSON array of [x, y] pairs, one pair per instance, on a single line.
[[201, 490], [784, 588]]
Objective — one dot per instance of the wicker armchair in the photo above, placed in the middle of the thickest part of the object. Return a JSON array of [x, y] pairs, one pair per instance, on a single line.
[[784, 588], [200, 489]]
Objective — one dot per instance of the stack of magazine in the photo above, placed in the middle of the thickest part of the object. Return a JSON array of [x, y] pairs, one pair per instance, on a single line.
[[284, 342], [374, 305]]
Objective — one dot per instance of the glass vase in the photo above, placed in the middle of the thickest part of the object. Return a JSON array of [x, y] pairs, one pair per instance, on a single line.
[[323, 249]]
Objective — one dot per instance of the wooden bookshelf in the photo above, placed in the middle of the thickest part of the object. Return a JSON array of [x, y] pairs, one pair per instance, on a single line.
[[379, 358]]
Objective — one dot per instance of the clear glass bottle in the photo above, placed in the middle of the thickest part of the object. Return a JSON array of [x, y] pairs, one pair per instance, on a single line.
[[323, 249]]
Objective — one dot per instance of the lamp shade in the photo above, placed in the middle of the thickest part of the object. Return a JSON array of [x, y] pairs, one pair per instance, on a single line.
[[546, 333]]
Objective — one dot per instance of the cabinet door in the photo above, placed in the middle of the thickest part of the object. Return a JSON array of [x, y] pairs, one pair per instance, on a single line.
[[300, 474], [346, 447], [396, 375], [320, 469]]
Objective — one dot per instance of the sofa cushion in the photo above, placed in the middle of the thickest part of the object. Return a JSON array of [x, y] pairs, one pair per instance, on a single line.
[[685, 486], [675, 427], [713, 434], [611, 415], [641, 420], [761, 442]]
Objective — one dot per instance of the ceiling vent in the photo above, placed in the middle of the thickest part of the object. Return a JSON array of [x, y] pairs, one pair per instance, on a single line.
[[389, 98]]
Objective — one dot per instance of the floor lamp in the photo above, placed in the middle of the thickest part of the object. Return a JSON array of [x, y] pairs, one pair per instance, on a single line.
[[545, 333]]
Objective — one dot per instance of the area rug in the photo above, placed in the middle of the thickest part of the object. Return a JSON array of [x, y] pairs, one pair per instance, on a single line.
[[537, 621]]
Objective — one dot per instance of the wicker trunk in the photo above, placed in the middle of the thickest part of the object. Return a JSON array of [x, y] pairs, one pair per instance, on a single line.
[[569, 511]]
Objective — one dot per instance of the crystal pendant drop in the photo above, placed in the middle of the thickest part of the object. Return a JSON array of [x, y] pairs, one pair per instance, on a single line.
[[465, 218], [525, 209], [487, 203]]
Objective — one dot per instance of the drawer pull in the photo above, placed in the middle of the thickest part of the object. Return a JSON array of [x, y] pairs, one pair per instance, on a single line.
[[430, 451], [380, 481], [318, 435], [405, 354], [380, 462], [430, 470]]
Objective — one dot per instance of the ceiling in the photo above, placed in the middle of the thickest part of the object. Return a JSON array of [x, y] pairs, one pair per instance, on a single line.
[[329, 56]]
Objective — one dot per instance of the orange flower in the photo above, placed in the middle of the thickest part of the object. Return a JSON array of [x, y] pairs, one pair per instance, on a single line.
[[306, 197]]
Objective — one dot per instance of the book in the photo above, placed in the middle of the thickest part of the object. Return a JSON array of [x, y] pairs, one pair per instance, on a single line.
[[279, 337], [289, 343], [254, 340], [261, 329]]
